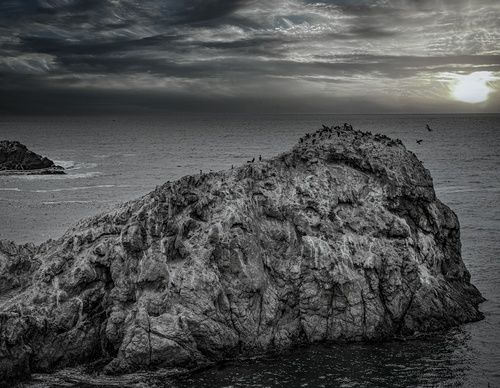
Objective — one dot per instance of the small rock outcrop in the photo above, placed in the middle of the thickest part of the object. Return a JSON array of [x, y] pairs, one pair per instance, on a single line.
[[340, 239], [16, 158]]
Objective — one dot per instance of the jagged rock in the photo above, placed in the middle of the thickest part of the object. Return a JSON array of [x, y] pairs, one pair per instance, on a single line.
[[340, 240], [16, 158]]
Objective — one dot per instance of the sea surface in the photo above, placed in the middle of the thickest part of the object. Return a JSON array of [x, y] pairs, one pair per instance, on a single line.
[[110, 160]]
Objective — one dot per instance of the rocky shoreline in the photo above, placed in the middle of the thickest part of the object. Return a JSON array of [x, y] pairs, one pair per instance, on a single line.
[[17, 159], [340, 239], [56, 170]]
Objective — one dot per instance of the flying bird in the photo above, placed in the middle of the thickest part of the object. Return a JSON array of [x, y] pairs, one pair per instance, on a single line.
[[428, 128], [420, 141]]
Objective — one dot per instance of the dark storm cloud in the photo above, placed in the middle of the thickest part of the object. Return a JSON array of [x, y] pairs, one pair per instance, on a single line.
[[75, 11], [341, 2], [183, 54], [151, 102], [58, 47], [191, 11]]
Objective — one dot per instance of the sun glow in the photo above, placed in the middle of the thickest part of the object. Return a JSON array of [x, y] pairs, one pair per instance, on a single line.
[[472, 88]]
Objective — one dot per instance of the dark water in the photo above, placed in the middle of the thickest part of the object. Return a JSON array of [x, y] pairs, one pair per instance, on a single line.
[[433, 362], [111, 160]]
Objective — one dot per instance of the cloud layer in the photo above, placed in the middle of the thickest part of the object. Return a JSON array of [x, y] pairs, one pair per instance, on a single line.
[[83, 56]]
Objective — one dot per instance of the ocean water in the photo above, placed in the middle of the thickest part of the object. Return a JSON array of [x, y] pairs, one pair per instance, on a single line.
[[115, 159]]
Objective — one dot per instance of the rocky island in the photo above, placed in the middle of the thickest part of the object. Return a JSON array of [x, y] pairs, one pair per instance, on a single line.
[[340, 239], [17, 159]]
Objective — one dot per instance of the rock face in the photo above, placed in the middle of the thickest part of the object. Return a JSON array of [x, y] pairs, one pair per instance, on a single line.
[[16, 157], [340, 239]]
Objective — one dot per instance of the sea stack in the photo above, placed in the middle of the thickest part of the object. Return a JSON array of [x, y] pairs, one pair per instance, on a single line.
[[16, 158], [340, 240]]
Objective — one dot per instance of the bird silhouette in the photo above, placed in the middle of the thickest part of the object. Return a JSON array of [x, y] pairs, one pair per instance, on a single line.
[[428, 128], [420, 141]]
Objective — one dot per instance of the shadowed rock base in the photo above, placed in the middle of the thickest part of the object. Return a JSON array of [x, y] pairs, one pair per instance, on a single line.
[[340, 240], [41, 171]]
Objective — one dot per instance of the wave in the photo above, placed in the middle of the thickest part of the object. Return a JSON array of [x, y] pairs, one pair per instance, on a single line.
[[78, 188], [66, 164], [81, 165], [453, 189], [72, 165], [11, 200], [56, 176], [114, 155], [73, 201], [465, 189]]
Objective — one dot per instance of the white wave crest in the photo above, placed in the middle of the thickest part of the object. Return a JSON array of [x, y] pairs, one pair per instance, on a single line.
[[61, 202], [66, 164], [76, 188], [82, 165], [56, 176], [72, 165]]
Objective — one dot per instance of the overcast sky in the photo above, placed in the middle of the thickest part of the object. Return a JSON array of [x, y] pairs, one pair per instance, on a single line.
[[282, 56]]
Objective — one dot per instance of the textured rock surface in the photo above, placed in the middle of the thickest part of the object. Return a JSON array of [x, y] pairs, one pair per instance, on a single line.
[[14, 156], [342, 238]]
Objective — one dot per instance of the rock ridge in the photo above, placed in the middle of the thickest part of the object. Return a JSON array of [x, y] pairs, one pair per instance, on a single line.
[[16, 158], [340, 239]]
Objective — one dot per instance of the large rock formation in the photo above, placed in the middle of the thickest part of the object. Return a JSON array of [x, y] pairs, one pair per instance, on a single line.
[[341, 239], [17, 158]]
